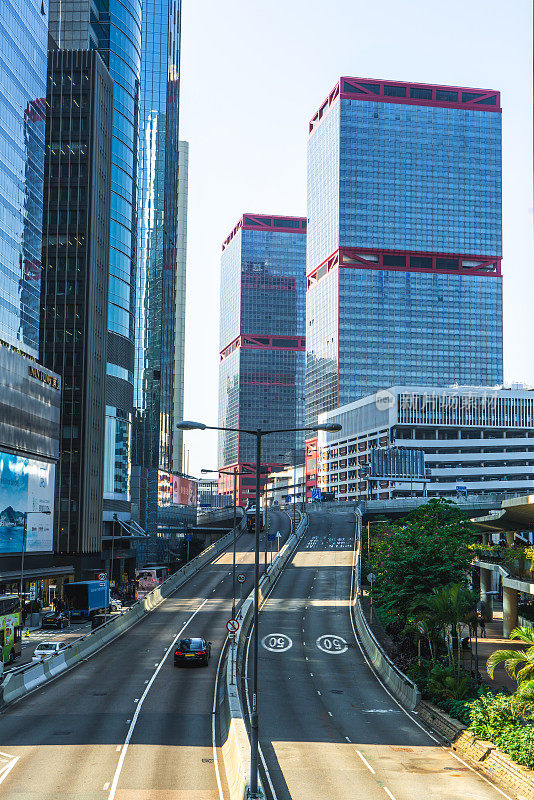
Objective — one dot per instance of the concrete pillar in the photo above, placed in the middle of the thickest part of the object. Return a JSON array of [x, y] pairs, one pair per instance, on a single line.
[[486, 600], [509, 611], [510, 538]]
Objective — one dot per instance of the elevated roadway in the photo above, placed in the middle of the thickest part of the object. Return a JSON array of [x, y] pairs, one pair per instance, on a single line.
[[126, 724], [327, 727]]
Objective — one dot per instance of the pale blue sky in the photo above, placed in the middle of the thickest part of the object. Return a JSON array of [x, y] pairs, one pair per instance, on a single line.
[[252, 76]]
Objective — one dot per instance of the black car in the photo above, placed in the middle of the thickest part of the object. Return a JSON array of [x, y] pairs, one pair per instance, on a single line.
[[192, 651], [55, 619]]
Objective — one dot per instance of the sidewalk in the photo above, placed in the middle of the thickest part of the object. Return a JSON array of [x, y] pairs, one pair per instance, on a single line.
[[494, 641]]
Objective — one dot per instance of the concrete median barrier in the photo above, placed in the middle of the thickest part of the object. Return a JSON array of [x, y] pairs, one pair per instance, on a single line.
[[25, 679], [236, 743]]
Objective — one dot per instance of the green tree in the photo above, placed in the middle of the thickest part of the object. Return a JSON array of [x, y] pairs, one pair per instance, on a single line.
[[428, 549], [519, 664]]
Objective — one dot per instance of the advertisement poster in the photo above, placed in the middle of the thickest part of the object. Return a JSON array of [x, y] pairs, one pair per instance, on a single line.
[[26, 485], [184, 491]]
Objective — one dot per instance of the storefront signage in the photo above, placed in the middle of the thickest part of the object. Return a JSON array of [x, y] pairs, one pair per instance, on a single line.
[[44, 377]]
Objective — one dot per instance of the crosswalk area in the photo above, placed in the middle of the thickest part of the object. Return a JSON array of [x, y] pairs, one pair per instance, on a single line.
[[52, 635]]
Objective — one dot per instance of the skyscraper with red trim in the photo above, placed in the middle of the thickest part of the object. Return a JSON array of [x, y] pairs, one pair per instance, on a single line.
[[404, 241], [261, 373]]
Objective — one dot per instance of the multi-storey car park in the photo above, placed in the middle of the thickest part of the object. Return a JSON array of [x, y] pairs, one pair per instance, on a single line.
[[477, 439], [404, 242], [261, 373]]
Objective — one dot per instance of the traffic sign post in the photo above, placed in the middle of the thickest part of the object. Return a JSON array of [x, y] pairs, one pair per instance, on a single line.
[[232, 626], [371, 578], [241, 578]]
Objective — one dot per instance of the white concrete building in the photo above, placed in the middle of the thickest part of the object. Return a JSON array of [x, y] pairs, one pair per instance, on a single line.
[[288, 482], [475, 439]]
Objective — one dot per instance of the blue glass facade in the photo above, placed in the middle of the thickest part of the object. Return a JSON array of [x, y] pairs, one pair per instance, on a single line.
[[419, 178], [394, 183], [157, 247], [261, 379], [114, 29], [23, 52]]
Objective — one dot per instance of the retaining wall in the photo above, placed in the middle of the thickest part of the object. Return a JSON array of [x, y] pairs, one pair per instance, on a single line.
[[497, 766], [18, 683]]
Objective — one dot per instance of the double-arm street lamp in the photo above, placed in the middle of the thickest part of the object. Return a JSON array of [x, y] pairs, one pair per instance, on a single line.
[[258, 433], [235, 473]]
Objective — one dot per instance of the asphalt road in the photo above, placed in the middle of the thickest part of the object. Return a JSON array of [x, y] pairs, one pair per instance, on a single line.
[[327, 727], [126, 724]]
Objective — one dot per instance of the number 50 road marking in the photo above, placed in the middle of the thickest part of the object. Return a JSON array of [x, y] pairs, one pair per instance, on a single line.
[[329, 643], [276, 642]]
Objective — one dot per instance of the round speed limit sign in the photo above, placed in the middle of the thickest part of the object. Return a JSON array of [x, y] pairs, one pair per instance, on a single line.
[[241, 578]]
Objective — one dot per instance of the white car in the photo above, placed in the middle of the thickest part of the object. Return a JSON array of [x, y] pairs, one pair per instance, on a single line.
[[47, 650]]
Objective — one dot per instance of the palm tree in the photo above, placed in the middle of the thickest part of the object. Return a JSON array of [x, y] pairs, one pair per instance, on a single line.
[[519, 664], [447, 609]]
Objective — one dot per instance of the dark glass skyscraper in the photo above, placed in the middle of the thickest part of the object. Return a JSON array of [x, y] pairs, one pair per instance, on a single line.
[[114, 29], [74, 294], [404, 241], [23, 49], [261, 373], [157, 254]]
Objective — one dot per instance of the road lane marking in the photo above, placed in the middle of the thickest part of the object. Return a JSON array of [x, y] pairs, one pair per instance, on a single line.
[[213, 726], [348, 740], [6, 770], [385, 788], [330, 714], [367, 764], [408, 714], [118, 748], [118, 770], [318, 692]]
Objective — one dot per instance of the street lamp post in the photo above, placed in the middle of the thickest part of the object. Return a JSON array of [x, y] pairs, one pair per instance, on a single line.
[[258, 433], [235, 473]]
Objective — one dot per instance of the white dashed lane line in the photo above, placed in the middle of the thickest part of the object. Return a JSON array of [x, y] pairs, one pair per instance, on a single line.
[[367, 764]]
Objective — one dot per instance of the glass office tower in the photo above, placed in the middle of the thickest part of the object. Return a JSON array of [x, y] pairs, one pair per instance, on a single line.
[[157, 253], [404, 241], [261, 374], [114, 29], [23, 51]]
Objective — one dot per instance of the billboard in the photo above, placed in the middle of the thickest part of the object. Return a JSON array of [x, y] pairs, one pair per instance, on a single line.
[[184, 491], [398, 463], [26, 485]]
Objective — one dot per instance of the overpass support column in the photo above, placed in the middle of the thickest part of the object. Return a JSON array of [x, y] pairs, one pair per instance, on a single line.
[[486, 600], [509, 610], [510, 538]]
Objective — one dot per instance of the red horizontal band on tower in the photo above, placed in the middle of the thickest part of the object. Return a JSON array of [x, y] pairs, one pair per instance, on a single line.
[[415, 94], [391, 260], [267, 222], [249, 341]]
